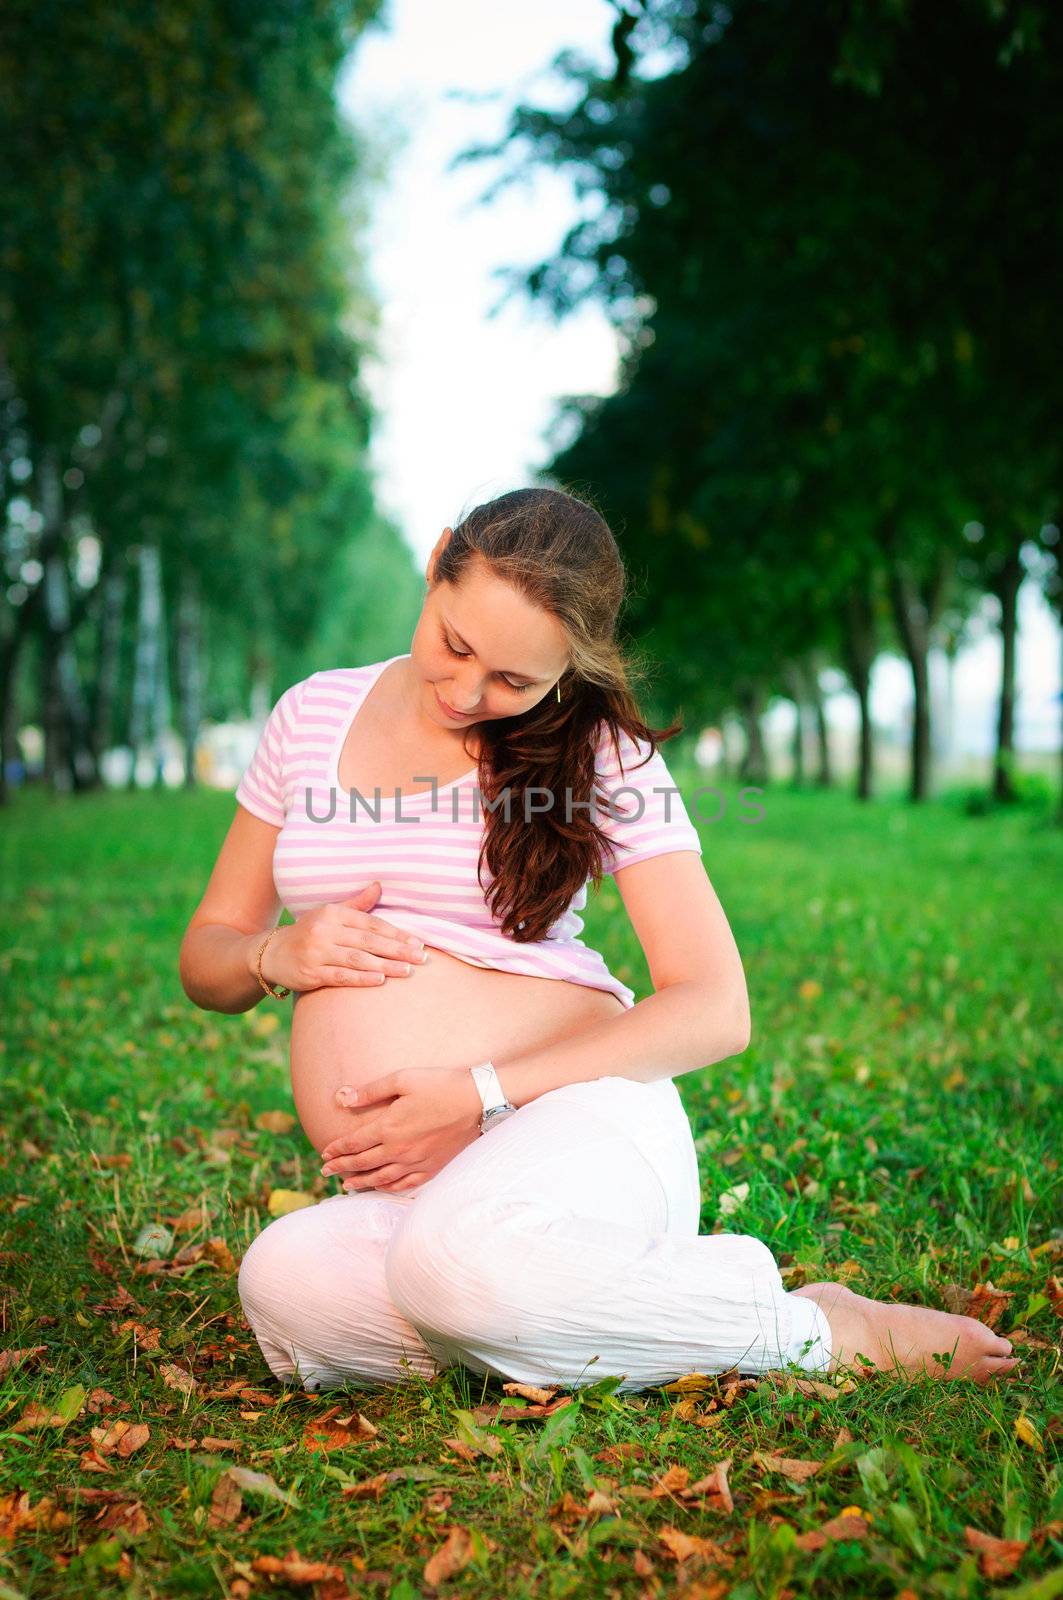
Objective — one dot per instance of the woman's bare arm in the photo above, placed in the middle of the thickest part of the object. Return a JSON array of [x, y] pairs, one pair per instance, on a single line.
[[239, 907]]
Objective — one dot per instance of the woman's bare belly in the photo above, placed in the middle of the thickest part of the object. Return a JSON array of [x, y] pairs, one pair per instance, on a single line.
[[447, 1013]]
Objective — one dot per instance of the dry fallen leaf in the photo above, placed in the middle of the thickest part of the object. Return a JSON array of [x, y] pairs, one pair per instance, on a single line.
[[1026, 1431], [671, 1483], [529, 1391], [17, 1513], [450, 1558], [10, 1359], [985, 1302], [997, 1558], [683, 1546], [713, 1490], [187, 1221], [796, 1470], [281, 1201], [226, 1502], [333, 1432], [275, 1121], [295, 1570], [368, 1489], [851, 1524], [178, 1378], [261, 1483]]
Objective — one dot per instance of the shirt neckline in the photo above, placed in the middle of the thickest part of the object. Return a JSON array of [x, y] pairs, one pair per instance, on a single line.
[[333, 774]]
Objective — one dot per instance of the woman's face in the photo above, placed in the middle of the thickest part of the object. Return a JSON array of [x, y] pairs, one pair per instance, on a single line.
[[483, 649]]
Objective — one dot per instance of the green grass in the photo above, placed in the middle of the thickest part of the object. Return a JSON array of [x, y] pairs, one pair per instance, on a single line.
[[896, 1119]]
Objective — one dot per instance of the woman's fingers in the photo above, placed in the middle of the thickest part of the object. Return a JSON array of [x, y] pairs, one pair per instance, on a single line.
[[411, 1181], [361, 1161], [381, 1179], [384, 939]]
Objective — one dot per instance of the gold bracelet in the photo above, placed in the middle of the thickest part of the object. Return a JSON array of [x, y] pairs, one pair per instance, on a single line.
[[278, 994]]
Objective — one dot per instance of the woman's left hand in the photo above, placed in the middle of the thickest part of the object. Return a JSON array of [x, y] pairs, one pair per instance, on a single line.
[[410, 1123]]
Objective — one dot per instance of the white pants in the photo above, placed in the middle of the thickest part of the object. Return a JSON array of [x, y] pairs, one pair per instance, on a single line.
[[559, 1248]]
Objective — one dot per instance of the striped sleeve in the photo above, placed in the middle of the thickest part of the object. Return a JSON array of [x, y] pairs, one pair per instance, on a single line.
[[262, 789], [650, 817]]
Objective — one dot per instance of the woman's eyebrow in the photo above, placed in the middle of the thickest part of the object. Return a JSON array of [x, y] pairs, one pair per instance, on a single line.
[[505, 670]]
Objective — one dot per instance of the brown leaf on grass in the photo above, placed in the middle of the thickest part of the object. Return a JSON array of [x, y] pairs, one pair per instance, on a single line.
[[293, 1569], [671, 1483], [1025, 1430], [851, 1524], [134, 1437], [92, 1461], [10, 1359], [218, 1251], [642, 1565], [1028, 1340], [985, 1302], [568, 1511], [713, 1490], [616, 1454], [275, 1121], [368, 1489], [147, 1338], [126, 1516], [790, 1466], [843, 1436], [215, 1446], [498, 1411], [1054, 1294], [188, 1221], [37, 1416], [17, 1513], [997, 1558], [451, 1557], [102, 1400], [178, 1378], [333, 1432], [685, 1546], [124, 1159], [226, 1502], [691, 1383], [529, 1391]]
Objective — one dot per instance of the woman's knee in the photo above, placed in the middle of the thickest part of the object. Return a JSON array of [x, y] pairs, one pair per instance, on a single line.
[[312, 1289], [444, 1272]]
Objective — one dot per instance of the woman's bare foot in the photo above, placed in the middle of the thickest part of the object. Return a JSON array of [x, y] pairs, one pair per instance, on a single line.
[[911, 1339]]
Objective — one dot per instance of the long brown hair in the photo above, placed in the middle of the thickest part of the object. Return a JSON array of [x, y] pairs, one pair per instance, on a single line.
[[559, 553]]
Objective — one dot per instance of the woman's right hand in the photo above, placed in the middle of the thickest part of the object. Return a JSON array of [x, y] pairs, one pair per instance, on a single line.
[[340, 944]]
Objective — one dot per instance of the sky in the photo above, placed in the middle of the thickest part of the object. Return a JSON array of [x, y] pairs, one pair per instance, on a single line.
[[463, 398]]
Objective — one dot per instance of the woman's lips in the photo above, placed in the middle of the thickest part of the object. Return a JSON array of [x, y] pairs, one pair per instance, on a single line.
[[458, 715]]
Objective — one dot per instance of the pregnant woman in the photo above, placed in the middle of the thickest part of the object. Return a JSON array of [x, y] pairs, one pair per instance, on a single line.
[[520, 1188]]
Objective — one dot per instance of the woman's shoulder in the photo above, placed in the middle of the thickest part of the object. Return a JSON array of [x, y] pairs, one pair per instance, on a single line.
[[616, 750]]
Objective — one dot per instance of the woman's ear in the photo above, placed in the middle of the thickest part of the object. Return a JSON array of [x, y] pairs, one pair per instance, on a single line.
[[440, 545]]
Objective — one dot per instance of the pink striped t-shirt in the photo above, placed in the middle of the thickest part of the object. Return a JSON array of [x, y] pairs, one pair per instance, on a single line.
[[425, 851]]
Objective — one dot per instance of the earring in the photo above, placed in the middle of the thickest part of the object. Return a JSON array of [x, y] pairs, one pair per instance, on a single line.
[[558, 686]]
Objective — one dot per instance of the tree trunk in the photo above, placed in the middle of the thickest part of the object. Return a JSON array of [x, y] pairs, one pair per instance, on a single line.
[[914, 614], [859, 647], [108, 655], [189, 670], [754, 767], [815, 699], [1006, 585], [70, 722], [145, 663], [796, 692]]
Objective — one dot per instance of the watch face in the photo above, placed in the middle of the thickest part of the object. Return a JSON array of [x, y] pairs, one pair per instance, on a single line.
[[496, 1114]]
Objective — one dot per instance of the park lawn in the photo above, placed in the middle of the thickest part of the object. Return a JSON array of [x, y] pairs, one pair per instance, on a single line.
[[895, 1123]]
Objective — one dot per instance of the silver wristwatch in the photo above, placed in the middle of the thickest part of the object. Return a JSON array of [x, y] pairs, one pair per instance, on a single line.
[[496, 1106]]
